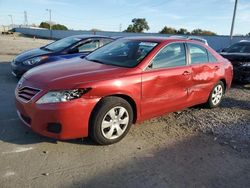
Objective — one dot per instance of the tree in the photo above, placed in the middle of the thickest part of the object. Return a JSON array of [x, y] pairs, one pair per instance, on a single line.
[[196, 32], [205, 32], [139, 26], [248, 34], [168, 30], [59, 27], [44, 25], [183, 31], [202, 32]]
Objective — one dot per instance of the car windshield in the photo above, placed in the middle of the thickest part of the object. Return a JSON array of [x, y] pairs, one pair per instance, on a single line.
[[242, 47], [62, 44], [123, 53]]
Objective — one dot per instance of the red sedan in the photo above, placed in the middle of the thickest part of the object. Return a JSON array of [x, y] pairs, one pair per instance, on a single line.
[[124, 82]]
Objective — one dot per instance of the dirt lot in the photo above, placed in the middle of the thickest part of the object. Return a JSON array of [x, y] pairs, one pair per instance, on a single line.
[[195, 147]]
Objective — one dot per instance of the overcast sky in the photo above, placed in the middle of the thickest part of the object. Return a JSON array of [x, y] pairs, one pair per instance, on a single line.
[[214, 15]]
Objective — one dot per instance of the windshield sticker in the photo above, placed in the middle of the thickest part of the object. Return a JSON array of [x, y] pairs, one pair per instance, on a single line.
[[151, 44]]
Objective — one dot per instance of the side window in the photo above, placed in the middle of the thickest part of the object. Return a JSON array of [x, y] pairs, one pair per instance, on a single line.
[[172, 55], [89, 46], [211, 57], [106, 41], [198, 54]]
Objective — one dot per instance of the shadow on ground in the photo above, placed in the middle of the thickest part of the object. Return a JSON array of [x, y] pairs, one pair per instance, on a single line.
[[194, 162]]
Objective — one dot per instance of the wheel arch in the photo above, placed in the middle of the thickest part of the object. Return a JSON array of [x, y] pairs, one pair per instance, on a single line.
[[129, 99], [225, 84]]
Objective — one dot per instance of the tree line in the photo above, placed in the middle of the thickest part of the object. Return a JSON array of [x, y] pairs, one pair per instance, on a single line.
[[46, 25], [139, 25]]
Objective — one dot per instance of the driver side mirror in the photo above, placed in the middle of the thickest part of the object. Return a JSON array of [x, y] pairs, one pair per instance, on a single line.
[[73, 51], [223, 49]]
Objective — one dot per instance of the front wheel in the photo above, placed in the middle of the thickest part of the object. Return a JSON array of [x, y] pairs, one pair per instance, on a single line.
[[216, 95], [111, 120]]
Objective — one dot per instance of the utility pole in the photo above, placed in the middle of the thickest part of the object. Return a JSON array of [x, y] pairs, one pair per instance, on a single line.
[[25, 19], [120, 27], [233, 20], [11, 18], [50, 24]]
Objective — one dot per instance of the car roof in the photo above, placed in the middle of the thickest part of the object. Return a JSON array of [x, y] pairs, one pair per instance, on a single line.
[[163, 39], [89, 36]]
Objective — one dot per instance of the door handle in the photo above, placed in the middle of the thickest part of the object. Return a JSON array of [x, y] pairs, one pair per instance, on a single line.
[[185, 73], [216, 68]]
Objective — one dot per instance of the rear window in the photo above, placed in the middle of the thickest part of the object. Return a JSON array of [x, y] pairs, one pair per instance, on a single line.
[[211, 57]]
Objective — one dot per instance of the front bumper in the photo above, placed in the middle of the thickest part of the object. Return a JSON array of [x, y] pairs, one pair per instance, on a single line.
[[72, 116], [242, 74]]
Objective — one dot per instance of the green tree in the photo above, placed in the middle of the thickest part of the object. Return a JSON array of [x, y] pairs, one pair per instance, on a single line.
[[197, 32], [139, 26], [202, 32], [168, 30], [183, 31], [59, 27], [44, 25], [54, 26]]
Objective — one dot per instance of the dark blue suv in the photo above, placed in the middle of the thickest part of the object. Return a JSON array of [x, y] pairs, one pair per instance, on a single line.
[[69, 47]]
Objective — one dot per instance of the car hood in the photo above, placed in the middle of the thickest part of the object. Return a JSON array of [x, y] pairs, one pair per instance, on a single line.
[[31, 53], [68, 73], [236, 57]]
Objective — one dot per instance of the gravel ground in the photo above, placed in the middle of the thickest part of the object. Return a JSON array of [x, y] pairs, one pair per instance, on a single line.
[[195, 147], [230, 123]]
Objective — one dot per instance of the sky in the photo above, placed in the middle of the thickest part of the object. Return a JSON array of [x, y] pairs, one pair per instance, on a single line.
[[111, 15]]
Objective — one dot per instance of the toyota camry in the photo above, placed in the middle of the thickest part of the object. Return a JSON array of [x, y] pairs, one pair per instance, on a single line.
[[124, 82]]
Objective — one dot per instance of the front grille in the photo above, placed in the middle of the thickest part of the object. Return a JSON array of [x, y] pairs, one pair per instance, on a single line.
[[27, 93]]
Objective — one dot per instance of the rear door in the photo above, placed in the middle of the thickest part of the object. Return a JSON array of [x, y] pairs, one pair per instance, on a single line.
[[205, 71], [166, 81]]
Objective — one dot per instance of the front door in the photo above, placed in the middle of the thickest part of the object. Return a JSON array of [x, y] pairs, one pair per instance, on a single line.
[[166, 81]]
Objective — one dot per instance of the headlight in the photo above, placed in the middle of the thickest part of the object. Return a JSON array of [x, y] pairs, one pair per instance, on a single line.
[[62, 96], [34, 60], [246, 64]]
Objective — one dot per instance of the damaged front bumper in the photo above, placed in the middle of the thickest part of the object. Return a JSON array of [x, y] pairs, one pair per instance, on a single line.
[[242, 72]]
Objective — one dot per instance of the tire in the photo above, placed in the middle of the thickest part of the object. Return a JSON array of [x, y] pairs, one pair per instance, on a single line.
[[111, 120], [216, 95]]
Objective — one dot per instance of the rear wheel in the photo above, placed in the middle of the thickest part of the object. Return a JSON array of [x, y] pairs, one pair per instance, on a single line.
[[216, 95], [111, 120]]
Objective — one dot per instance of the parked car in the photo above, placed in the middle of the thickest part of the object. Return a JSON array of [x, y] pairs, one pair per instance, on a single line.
[[78, 45], [239, 55], [124, 82]]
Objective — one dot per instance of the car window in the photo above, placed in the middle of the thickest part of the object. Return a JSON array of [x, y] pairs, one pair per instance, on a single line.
[[198, 54], [211, 57], [241, 47], [89, 46], [106, 41], [62, 44], [172, 55]]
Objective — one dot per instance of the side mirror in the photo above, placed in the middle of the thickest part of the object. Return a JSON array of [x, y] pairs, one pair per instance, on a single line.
[[223, 49], [73, 51]]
